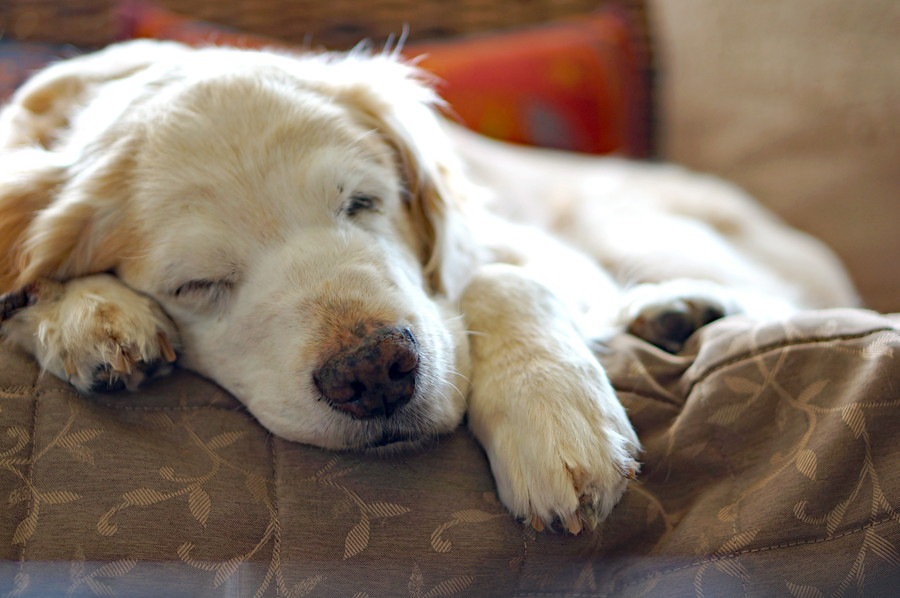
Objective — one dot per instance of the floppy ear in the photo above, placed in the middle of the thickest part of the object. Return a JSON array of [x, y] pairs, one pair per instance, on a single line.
[[39, 111], [85, 229], [62, 221], [58, 211], [29, 179], [395, 100]]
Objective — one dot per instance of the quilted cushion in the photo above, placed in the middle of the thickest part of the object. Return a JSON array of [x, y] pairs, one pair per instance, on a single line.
[[771, 467]]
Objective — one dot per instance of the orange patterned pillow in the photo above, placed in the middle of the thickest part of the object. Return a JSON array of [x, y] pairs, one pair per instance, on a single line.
[[576, 85]]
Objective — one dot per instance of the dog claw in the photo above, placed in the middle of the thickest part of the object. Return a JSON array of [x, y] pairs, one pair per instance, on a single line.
[[125, 370], [70, 368], [165, 347], [573, 524], [121, 363], [537, 523]]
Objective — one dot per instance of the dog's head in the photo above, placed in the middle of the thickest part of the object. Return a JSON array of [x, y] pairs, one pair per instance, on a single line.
[[293, 216]]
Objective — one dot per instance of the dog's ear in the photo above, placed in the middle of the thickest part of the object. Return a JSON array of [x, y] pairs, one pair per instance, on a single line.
[[29, 179], [397, 101], [39, 112], [61, 221], [60, 213]]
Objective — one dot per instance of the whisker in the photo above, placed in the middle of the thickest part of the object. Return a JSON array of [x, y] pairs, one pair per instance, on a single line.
[[454, 387], [454, 318], [456, 372]]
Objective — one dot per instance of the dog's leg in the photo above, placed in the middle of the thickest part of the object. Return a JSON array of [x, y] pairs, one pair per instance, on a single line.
[[666, 314], [93, 331], [559, 442]]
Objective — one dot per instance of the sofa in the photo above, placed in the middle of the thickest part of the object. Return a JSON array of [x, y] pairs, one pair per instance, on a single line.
[[768, 466]]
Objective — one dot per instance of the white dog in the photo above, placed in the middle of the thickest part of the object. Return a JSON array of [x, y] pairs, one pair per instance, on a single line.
[[305, 232]]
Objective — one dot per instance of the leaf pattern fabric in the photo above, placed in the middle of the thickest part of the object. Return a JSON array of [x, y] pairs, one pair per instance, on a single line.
[[771, 467]]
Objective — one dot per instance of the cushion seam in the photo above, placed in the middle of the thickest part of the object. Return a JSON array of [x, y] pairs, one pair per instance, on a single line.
[[30, 481], [754, 353], [276, 515], [760, 549]]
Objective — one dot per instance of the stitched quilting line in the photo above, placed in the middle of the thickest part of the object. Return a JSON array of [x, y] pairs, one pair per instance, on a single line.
[[712, 559], [524, 566], [17, 392], [720, 445], [760, 549], [754, 353], [30, 475], [276, 544], [663, 402], [21, 392], [123, 405], [183, 408]]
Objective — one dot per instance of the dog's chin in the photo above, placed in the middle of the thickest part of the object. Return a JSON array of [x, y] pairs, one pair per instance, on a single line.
[[413, 427], [394, 444], [391, 439]]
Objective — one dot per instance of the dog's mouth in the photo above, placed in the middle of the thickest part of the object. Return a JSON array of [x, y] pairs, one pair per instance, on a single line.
[[393, 439]]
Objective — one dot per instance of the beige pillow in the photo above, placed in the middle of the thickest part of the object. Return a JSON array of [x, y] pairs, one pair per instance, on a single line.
[[799, 102]]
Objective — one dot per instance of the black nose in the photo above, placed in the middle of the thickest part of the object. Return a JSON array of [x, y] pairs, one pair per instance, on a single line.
[[373, 378]]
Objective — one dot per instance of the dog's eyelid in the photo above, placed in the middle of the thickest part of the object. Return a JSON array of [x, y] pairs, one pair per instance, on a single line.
[[212, 288], [362, 202]]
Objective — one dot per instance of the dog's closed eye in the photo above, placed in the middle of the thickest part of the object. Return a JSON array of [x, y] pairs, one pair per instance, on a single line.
[[202, 289], [361, 202]]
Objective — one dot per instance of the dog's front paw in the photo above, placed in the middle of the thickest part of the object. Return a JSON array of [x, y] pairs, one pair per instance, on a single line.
[[559, 441], [94, 332], [564, 456]]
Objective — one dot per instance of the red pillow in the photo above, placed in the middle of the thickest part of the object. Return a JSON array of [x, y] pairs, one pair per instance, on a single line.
[[575, 85]]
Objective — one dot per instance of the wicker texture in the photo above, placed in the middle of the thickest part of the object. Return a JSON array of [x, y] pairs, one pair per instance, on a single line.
[[342, 23], [334, 24], [78, 22]]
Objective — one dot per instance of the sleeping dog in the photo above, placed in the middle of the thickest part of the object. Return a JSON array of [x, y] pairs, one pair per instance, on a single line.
[[307, 232]]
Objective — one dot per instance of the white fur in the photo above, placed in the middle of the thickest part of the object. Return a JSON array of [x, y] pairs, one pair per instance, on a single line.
[[215, 184]]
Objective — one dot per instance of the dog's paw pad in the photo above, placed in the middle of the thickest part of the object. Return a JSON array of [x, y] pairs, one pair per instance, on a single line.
[[15, 301], [12, 303], [669, 324]]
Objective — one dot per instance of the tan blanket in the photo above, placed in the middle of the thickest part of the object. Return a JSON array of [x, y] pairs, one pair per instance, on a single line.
[[771, 468]]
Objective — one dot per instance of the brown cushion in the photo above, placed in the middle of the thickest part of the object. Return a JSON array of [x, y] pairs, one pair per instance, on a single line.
[[771, 467]]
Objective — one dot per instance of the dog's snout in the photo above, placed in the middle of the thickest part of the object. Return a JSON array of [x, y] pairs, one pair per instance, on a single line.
[[372, 378]]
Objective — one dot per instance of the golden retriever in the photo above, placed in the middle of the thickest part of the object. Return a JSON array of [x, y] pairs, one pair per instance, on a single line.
[[306, 232]]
